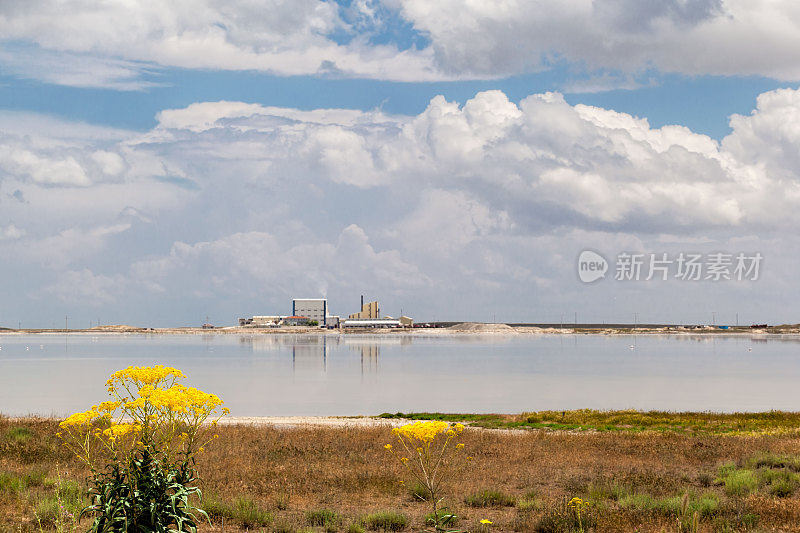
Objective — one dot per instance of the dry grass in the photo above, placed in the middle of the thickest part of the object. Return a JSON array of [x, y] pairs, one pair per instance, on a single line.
[[340, 479]]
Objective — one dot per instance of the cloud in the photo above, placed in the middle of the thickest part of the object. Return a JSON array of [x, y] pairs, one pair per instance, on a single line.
[[75, 69], [11, 232], [232, 203], [233, 262], [120, 41], [537, 164], [120, 45], [85, 288], [507, 37]]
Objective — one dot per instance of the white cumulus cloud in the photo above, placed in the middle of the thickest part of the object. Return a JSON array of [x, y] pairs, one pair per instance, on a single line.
[[236, 202]]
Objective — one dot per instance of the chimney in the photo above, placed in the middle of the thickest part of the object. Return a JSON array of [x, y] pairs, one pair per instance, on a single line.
[[362, 301]]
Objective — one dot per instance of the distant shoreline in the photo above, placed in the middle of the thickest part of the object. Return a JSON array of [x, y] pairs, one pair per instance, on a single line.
[[467, 328]]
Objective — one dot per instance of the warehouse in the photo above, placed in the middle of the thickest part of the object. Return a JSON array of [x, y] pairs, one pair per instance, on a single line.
[[315, 309]]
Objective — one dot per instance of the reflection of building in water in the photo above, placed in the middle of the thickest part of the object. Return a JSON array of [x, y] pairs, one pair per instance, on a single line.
[[269, 343], [311, 354], [369, 357]]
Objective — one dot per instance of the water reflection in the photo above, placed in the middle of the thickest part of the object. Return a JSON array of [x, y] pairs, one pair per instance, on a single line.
[[268, 374]]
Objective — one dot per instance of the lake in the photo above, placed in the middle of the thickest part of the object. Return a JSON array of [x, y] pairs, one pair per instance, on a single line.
[[274, 375]]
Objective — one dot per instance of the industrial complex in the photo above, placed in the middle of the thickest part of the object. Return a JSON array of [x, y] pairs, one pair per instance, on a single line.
[[315, 312]]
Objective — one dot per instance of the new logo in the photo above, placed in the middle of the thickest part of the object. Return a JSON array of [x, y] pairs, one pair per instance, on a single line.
[[591, 266]]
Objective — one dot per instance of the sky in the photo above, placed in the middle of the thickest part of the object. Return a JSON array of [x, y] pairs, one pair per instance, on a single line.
[[161, 163]]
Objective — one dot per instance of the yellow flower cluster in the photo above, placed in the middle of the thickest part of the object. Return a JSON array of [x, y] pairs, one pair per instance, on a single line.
[[426, 432], [577, 504], [120, 430], [81, 419], [187, 400], [148, 409], [143, 375]]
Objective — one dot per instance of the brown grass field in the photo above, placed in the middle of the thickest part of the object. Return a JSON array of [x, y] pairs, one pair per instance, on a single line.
[[337, 479]]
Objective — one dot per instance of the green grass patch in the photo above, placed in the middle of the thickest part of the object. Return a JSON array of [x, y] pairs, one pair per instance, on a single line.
[[323, 517], [490, 498], [19, 435], [385, 521], [446, 518], [12, 483], [603, 489], [244, 510], [628, 420], [418, 492], [740, 483], [706, 504], [248, 513], [770, 473], [773, 460]]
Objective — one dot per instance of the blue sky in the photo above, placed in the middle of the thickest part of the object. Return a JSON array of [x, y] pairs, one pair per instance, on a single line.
[[702, 103], [163, 163]]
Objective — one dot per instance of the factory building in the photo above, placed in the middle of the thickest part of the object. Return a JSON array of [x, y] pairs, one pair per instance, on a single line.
[[371, 323], [261, 321], [311, 308], [295, 321], [368, 310]]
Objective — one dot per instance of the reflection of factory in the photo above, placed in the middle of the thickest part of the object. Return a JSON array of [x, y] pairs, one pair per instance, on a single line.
[[315, 312], [311, 353], [369, 357]]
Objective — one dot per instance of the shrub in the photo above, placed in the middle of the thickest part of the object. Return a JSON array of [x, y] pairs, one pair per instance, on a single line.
[[284, 527], [419, 492], [61, 510], [772, 460], [249, 514], [445, 519], [525, 505], [574, 515], [322, 517], [19, 434], [740, 483], [705, 479], [782, 488], [216, 508], [706, 505], [490, 498], [47, 511], [355, 528], [604, 490], [11, 483], [749, 520], [386, 521]]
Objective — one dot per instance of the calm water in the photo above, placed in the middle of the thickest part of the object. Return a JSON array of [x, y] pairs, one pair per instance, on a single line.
[[266, 375]]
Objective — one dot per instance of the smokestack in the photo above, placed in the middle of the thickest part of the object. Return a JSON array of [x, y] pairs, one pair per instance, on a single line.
[[362, 301]]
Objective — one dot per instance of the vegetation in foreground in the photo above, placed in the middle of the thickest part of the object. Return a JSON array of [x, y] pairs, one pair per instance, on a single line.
[[767, 423], [340, 479]]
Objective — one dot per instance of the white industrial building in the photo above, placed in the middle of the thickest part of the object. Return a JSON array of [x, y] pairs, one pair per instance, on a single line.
[[311, 308], [371, 323]]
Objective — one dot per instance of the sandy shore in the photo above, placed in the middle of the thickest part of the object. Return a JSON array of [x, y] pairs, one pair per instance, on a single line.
[[313, 421]]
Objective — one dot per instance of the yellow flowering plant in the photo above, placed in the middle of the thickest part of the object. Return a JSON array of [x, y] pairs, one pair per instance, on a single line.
[[146, 436], [431, 455]]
